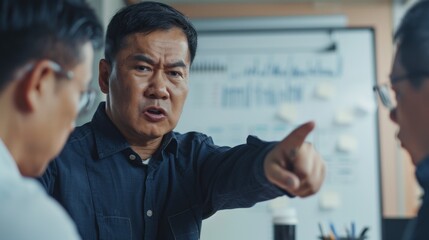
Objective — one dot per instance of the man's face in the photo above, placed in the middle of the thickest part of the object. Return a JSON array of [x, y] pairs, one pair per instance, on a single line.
[[147, 84], [411, 113], [54, 120]]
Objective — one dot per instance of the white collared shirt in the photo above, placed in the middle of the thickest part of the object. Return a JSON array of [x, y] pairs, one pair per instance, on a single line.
[[26, 211]]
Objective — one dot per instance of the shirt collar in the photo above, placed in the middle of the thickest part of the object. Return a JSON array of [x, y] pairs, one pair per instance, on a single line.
[[109, 139], [8, 165], [170, 143]]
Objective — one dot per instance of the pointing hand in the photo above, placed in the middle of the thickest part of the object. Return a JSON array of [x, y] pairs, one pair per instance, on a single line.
[[294, 165]]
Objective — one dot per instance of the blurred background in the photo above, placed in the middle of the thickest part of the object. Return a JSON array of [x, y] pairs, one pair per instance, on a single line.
[[399, 191]]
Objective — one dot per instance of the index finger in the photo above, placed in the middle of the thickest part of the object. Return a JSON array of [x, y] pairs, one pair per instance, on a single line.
[[296, 138]]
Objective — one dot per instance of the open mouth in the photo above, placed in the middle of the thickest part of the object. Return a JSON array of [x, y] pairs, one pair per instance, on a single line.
[[154, 113]]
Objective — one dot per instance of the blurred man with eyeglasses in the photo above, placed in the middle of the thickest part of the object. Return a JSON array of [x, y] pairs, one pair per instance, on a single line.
[[407, 98], [46, 54]]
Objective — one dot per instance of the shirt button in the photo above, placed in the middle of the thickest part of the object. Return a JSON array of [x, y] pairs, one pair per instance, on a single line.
[[132, 157], [149, 213]]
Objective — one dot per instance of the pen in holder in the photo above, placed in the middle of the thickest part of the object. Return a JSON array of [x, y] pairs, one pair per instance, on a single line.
[[341, 238], [350, 234], [330, 237]]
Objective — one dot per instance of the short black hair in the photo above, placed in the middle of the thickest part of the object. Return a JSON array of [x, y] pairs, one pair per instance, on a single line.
[[412, 37], [37, 29], [146, 17]]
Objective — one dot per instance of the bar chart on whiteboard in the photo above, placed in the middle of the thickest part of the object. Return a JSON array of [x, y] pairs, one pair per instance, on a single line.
[[266, 83]]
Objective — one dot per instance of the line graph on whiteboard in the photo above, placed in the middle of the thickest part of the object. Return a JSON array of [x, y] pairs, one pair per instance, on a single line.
[[261, 80]]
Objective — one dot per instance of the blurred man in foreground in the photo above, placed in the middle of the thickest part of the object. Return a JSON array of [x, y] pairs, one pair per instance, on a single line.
[[409, 105], [46, 54]]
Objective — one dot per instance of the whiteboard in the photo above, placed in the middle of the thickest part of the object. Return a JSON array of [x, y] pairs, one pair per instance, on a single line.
[[267, 82]]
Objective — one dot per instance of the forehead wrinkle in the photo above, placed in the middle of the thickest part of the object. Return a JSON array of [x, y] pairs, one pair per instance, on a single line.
[[141, 47], [144, 58]]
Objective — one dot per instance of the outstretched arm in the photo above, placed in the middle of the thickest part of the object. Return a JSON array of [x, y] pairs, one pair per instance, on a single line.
[[294, 165]]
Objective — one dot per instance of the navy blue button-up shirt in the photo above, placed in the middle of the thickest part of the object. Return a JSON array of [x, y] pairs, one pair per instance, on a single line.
[[421, 228], [111, 194]]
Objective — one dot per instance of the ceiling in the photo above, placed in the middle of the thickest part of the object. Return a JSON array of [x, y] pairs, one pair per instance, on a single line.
[[269, 1], [272, 1]]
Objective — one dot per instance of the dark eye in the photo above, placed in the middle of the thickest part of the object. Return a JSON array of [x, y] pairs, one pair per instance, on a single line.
[[175, 74], [142, 68]]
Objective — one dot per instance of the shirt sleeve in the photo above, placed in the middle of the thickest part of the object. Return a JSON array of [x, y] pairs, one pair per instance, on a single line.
[[421, 223], [234, 177]]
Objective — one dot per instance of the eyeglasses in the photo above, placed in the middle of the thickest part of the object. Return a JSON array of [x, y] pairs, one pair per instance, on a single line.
[[87, 97], [86, 101], [60, 71], [385, 92], [386, 95]]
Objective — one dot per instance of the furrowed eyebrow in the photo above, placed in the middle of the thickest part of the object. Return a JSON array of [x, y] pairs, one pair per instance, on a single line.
[[179, 63], [143, 58]]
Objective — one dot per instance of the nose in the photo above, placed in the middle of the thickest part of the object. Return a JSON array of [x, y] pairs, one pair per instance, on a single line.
[[157, 87], [393, 115]]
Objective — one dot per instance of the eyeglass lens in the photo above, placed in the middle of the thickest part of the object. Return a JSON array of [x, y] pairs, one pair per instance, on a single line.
[[86, 101], [387, 96]]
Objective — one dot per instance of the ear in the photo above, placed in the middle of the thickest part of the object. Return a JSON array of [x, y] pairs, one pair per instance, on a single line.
[[104, 70], [34, 86]]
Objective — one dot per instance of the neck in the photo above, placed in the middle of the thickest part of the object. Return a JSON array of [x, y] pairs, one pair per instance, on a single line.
[[146, 150], [11, 125], [145, 147]]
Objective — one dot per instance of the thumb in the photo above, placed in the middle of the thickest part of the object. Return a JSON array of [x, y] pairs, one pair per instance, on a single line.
[[288, 181]]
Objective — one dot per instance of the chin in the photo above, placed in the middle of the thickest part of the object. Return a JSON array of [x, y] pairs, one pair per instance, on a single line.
[[33, 171], [413, 157], [156, 132]]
